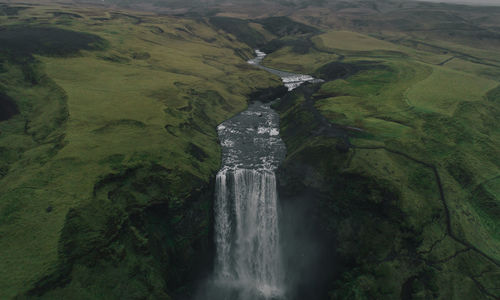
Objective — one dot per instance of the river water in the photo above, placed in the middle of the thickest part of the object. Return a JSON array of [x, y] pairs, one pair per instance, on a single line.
[[290, 80], [248, 261]]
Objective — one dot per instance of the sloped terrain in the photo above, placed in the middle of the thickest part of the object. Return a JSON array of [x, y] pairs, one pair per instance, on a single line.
[[396, 161], [390, 189], [108, 149]]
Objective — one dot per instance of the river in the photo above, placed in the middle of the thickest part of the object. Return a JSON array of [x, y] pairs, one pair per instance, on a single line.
[[248, 261]]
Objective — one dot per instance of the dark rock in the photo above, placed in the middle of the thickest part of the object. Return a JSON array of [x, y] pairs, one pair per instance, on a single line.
[[240, 29], [20, 42], [8, 107], [336, 70], [342, 146], [268, 94], [284, 26]]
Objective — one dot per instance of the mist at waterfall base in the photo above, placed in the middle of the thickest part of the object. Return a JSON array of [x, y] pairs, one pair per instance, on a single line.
[[308, 250], [307, 260]]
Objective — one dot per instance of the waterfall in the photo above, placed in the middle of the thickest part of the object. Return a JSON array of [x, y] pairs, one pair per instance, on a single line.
[[247, 236], [248, 255], [248, 263]]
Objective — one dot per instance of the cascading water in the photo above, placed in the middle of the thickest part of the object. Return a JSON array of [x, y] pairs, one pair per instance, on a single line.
[[248, 256], [253, 260], [246, 206]]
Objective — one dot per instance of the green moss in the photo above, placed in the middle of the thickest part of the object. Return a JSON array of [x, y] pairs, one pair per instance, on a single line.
[[494, 95], [365, 84], [106, 169], [135, 238], [382, 205], [484, 199]]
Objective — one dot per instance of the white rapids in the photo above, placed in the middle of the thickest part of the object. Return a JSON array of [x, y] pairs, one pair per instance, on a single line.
[[290, 80]]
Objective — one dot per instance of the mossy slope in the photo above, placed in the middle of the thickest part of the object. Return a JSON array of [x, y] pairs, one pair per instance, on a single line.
[[402, 203], [390, 232], [106, 170]]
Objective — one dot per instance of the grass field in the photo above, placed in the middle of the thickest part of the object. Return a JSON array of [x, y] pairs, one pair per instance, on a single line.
[[442, 98], [107, 156], [411, 113], [151, 94], [348, 40], [286, 59]]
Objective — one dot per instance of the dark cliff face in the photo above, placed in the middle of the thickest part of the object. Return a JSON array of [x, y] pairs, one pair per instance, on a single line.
[[137, 238], [309, 245], [350, 233]]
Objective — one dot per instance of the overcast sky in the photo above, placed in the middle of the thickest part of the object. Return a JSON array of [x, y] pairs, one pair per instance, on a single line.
[[482, 2]]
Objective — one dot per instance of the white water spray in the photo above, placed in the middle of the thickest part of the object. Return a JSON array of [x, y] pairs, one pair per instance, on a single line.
[[247, 237]]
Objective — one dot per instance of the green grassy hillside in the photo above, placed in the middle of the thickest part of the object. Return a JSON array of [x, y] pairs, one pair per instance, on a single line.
[[406, 178], [105, 170], [108, 145]]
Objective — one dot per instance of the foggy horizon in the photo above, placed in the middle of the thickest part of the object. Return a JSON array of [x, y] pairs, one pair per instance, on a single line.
[[474, 2]]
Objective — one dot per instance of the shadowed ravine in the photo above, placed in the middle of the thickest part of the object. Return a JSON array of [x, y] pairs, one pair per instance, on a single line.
[[248, 263]]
